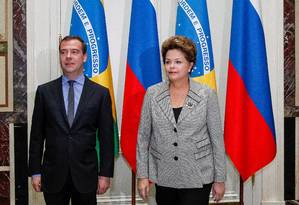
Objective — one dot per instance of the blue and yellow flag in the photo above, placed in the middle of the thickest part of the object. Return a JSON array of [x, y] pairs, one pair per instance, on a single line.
[[193, 22], [88, 22]]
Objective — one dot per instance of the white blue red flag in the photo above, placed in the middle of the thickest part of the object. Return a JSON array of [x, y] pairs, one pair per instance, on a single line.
[[249, 131], [88, 22], [143, 70], [193, 22]]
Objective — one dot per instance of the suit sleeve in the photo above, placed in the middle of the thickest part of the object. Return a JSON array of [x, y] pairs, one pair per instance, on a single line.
[[216, 136], [143, 138], [37, 135], [106, 136]]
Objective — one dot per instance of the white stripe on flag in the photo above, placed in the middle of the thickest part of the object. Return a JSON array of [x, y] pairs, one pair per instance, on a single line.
[[154, 3], [257, 5]]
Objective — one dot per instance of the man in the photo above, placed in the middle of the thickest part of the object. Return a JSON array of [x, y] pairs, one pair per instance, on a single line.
[[67, 114]]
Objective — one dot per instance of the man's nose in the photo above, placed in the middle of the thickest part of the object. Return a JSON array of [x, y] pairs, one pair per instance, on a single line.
[[68, 55]]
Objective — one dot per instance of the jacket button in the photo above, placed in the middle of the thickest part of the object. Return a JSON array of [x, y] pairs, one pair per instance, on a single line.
[[175, 130], [175, 144], [175, 158]]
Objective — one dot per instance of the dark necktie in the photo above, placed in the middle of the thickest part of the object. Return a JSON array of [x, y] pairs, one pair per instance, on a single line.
[[70, 106]]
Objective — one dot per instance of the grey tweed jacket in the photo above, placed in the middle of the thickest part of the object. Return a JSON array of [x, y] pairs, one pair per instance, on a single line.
[[186, 154]]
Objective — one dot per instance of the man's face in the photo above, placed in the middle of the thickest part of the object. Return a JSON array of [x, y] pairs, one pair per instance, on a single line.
[[72, 57]]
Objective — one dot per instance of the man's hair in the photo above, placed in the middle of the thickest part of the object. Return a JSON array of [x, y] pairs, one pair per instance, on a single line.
[[69, 38]]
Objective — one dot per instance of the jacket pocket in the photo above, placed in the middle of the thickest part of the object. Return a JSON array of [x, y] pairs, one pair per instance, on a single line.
[[203, 152], [201, 142], [155, 153], [203, 146]]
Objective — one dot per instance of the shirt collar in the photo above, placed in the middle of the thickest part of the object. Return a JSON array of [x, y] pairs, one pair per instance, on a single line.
[[80, 79]]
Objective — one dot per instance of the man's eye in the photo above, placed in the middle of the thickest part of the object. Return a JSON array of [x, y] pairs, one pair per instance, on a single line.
[[75, 51]]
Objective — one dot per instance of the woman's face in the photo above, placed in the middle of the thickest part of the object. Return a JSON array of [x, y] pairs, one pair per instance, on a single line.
[[176, 65]]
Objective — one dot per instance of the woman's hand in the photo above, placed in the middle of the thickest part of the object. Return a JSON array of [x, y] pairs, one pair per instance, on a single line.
[[143, 188], [218, 190]]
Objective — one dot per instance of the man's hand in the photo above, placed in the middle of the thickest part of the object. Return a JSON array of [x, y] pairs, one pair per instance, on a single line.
[[103, 184], [36, 183], [218, 190], [143, 188]]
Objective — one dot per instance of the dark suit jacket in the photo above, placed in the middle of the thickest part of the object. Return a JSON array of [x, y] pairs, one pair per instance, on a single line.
[[57, 149]]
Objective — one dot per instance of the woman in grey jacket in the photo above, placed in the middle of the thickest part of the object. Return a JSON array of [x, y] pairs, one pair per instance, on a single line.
[[180, 140]]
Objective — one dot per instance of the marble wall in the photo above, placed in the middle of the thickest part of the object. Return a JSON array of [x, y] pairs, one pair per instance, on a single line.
[[19, 65], [4, 161], [4, 188], [4, 145], [289, 59], [19, 114]]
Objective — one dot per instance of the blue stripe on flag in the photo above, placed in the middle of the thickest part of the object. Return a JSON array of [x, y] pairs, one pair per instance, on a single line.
[[143, 50]]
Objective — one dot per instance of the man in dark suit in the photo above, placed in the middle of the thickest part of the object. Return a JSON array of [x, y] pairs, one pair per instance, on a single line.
[[68, 112]]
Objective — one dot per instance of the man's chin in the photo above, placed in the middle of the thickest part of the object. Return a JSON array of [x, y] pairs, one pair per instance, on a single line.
[[68, 70]]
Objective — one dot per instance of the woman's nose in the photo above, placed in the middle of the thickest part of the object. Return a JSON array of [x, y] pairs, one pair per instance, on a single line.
[[172, 64]]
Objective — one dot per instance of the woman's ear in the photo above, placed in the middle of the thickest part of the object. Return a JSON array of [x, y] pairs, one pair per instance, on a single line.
[[190, 67]]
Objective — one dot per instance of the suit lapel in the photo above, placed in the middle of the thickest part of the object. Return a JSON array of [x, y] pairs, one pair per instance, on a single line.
[[163, 100], [60, 100]]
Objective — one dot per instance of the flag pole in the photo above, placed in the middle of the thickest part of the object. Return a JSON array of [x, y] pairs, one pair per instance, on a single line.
[[133, 193], [241, 191]]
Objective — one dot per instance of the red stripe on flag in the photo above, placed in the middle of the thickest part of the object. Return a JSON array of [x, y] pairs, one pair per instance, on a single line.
[[133, 98], [248, 139]]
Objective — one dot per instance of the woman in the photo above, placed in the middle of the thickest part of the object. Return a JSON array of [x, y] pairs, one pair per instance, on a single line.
[[180, 141]]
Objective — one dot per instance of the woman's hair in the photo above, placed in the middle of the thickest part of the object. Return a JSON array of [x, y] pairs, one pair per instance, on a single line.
[[181, 43]]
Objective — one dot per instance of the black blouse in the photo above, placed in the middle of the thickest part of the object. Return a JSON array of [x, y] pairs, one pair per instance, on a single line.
[[177, 112]]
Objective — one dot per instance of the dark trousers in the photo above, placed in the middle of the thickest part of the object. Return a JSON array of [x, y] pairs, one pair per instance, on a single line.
[[69, 192], [173, 196]]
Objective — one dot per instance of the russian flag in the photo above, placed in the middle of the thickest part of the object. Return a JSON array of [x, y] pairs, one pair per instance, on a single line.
[[143, 70], [88, 22], [249, 131]]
